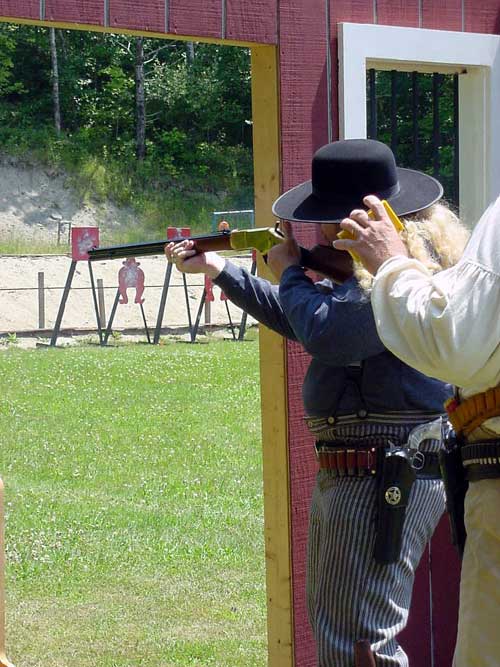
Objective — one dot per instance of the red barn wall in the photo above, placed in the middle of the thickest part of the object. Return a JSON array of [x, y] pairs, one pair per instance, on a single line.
[[27, 9], [255, 21], [201, 18], [148, 15], [304, 127], [305, 32], [78, 11]]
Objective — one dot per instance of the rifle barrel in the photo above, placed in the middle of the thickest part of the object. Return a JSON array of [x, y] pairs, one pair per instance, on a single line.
[[326, 260], [128, 250], [218, 241]]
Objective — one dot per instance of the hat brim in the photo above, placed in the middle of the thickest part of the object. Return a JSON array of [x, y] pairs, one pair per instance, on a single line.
[[417, 192]]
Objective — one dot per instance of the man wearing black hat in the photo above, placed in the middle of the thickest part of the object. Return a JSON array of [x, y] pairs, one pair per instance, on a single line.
[[372, 512], [447, 325]]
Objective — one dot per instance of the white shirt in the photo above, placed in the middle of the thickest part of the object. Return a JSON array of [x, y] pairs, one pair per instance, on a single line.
[[446, 325]]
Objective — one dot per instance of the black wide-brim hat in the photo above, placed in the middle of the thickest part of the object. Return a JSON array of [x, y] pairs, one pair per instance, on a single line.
[[344, 172]]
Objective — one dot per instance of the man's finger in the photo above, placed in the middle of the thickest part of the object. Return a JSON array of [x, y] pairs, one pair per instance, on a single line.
[[359, 216], [376, 206], [344, 244], [185, 254], [351, 226]]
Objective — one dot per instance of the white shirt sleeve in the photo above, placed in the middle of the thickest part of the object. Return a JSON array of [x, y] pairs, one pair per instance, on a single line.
[[446, 325]]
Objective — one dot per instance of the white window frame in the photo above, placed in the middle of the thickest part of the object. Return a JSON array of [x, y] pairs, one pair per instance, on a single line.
[[476, 57]]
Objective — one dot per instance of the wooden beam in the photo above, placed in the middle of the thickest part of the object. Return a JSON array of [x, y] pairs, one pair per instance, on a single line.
[[66, 25], [265, 113]]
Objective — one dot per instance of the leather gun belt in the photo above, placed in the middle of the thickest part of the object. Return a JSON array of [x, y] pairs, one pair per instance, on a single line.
[[367, 462], [481, 460], [467, 415]]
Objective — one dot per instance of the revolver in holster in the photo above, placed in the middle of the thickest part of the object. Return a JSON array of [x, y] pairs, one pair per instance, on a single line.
[[398, 474], [395, 485], [455, 486]]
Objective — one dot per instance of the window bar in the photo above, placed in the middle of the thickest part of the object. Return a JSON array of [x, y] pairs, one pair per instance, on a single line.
[[436, 130], [394, 118], [372, 96], [456, 181], [414, 111]]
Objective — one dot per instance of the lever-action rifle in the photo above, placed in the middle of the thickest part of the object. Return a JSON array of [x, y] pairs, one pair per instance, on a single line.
[[326, 260]]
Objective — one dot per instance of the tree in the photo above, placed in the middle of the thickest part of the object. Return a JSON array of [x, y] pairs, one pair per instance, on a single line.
[[140, 101], [55, 81]]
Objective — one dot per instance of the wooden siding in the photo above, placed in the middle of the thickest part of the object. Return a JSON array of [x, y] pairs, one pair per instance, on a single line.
[[398, 12], [147, 15], [75, 11], [202, 18], [29, 9], [303, 86], [439, 13], [255, 21], [304, 123], [482, 16], [343, 11]]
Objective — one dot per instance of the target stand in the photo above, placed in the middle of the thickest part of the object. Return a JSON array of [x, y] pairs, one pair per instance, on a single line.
[[129, 276], [173, 233], [83, 239]]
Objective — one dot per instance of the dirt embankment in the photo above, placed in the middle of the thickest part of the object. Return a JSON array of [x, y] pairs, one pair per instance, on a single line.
[[37, 205]]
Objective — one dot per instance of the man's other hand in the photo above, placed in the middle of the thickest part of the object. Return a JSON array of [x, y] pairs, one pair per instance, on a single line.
[[375, 241]]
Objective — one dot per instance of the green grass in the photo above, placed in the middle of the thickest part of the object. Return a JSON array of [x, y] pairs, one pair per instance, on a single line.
[[26, 247], [134, 524]]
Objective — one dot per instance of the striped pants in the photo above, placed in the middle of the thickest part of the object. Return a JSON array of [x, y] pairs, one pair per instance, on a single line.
[[349, 595]]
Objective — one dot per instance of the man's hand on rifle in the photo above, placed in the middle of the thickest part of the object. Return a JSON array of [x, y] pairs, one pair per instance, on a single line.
[[285, 254], [187, 260], [375, 241]]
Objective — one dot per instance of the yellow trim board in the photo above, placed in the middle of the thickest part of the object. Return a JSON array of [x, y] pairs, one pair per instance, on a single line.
[[90, 27], [267, 169]]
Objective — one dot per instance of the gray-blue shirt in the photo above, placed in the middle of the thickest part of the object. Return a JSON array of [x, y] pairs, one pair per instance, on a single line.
[[351, 372]]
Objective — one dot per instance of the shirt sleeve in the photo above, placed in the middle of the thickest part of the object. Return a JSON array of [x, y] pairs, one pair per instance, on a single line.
[[336, 329], [445, 325], [256, 296]]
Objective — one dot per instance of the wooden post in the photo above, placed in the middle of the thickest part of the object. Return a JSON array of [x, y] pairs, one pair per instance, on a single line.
[[208, 312], [273, 357], [102, 306], [41, 300]]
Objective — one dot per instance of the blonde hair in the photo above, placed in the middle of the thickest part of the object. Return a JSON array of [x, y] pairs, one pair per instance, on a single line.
[[434, 236]]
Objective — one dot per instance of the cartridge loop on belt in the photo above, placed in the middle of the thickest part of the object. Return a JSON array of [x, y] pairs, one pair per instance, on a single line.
[[355, 461], [466, 415], [481, 460]]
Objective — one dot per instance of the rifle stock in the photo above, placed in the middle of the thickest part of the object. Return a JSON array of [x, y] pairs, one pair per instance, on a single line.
[[326, 260]]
